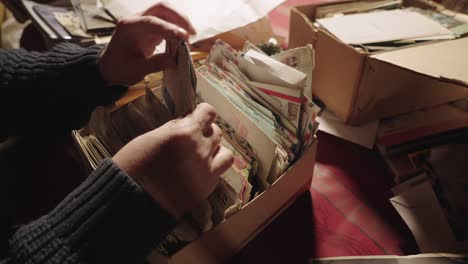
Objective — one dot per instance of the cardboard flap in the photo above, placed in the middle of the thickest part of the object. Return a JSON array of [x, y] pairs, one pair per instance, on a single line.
[[443, 60]]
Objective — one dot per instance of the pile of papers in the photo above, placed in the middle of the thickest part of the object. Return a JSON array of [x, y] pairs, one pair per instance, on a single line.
[[355, 7], [383, 25], [94, 20], [265, 116], [81, 20], [400, 136], [433, 203], [264, 99], [426, 152]]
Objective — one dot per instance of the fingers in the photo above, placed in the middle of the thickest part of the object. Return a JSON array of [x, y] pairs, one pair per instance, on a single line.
[[147, 26], [222, 160], [165, 12], [215, 133], [215, 139], [204, 115]]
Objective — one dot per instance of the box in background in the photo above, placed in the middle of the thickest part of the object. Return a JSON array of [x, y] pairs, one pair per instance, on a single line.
[[360, 87]]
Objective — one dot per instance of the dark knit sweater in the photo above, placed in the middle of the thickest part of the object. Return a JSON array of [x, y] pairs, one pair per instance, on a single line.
[[108, 218]]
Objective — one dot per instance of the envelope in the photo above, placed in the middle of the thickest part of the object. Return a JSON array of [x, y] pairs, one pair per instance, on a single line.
[[301, 59], [260, 68], [421, 211]]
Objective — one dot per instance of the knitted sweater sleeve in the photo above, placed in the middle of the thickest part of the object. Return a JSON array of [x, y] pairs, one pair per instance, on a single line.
[[107, 219], [54, 91]]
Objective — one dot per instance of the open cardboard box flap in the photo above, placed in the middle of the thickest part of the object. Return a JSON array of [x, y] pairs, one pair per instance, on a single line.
[[378, 85], [443, 60]]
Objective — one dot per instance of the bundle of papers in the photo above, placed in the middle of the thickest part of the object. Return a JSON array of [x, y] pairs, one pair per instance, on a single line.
[[355, 7], [404, 138], [384, 25], [412, 130], [433, 203], [81, 21], [263, 99], [91, 148], [251, 116], [93, 17], [427, 157]]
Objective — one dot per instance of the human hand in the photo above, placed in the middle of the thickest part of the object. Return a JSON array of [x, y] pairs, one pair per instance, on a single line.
[[129, 57], [179, 163]]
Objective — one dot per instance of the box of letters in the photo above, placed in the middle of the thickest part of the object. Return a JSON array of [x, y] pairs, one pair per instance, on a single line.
[[267, 118], [376, 59]]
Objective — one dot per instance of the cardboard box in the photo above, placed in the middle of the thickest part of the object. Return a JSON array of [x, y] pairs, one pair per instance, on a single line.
[[229, 236], [360, 87]]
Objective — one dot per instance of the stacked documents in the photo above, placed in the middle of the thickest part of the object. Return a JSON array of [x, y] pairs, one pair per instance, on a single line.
[[433, 203], [263, 99], [266, 119], [384, 25], [94, 20], [80, 21], [401, 136], [426, 151], [355, 7]]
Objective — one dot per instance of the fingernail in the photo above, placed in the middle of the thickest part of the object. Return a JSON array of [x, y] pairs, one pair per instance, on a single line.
[[183, 33]]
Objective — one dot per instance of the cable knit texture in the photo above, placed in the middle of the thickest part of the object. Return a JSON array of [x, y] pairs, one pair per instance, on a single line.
[[108, 218], [51, 91]]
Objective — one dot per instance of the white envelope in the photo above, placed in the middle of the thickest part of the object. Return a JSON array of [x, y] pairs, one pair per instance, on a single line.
[[421, 211], [260, 68], [285, 100]]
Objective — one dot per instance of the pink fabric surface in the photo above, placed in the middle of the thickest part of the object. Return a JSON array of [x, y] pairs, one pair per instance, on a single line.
[[345, 213]]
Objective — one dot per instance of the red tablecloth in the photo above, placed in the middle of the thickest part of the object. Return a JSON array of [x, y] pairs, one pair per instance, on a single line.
[[345, 213]]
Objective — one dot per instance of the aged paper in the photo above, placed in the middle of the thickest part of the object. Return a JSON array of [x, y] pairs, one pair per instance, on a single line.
[[223, 15], [382, 26]]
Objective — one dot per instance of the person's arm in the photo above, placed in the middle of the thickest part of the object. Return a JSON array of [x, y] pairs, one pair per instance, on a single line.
[[57, 90], [107, 219], [50, 91], [115, 218]]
